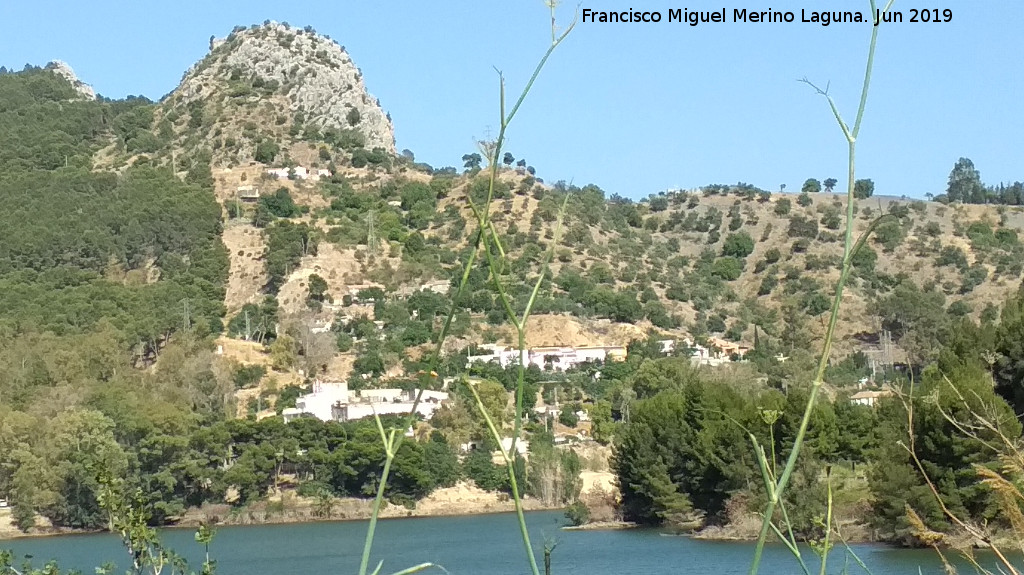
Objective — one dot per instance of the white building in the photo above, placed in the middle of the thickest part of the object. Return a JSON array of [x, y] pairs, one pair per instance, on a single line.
[[522, 445], [299, 173], [667, 345], [248, 193], [334, 402], [719, 352], [548, 358], [870, 398], [320, 403]]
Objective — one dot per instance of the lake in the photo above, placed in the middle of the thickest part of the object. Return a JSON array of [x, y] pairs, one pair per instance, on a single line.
[[463, 545]]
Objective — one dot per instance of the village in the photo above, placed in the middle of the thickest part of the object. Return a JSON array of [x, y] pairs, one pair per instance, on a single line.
[[333, 401]]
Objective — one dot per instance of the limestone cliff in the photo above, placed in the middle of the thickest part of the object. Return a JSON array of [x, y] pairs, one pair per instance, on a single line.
[[288, 82], [65, 71]]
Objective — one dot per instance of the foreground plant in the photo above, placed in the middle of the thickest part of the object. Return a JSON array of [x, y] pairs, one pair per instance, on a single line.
[[978, 420], [487, 238], [775, 485], [128, 518]]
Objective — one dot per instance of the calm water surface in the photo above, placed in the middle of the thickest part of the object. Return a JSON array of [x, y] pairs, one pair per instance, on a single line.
[[463, 545]]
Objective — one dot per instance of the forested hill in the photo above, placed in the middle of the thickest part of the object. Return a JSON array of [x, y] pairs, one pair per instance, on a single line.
[[97, 269], [79, 246]]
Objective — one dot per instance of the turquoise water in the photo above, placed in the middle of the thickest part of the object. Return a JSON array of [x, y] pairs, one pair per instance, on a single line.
[[463, 545]]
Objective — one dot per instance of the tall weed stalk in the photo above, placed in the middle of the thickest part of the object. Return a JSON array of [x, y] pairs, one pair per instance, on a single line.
[[487, 238], [1006, 481], [776, 486]]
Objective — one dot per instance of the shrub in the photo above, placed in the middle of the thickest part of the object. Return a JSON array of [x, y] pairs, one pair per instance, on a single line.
[[738, 245], [801, 227], [248, 376], [863, 189], [568, 417], [266, 151], [864, 259], [577, 513], [783, 206], [889, 235], [727, 268], [952, 256], [352, 117]]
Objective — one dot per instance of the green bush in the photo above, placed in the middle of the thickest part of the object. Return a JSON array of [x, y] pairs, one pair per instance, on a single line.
[[248, 376], [727, 268], [783, 206], [578, 514], [266, 151], [738, 245]]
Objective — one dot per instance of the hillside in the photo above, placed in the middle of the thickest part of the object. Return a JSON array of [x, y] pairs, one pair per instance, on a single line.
[[716, 261], [175, 274]]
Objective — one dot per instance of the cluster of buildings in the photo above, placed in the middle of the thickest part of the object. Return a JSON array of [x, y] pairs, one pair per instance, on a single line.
[[251, 193], [717, 352], [334, 402], [299, 173], [548, 358]]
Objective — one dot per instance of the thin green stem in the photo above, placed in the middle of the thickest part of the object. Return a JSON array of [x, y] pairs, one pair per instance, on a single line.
[[486, 234], [391, 446], [509, 458], [828, 526], [848, 251], [373, 518], [521, 371], [867, 71]]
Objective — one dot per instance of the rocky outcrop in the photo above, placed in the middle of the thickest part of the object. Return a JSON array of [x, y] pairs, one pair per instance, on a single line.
[[315, 75], [65, 71]]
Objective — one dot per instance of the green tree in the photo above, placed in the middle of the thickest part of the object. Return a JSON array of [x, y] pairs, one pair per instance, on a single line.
[[965, 184], [727, 268], [266, 151], [77, 446], [567, 417], [479, 467], [280, 203], [863, 189], [811, 186], [783, 206], [681, 452], [472, 161], [946, 454], [889, 235], [1009, 352], [738, 245]]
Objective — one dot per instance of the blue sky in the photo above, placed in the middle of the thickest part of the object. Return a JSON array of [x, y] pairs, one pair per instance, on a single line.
[[633, 108]]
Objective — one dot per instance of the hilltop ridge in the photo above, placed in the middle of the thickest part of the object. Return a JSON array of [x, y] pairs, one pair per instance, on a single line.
[[275, 85]]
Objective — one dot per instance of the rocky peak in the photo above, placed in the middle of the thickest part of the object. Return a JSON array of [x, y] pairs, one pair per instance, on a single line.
[[63, 70], [313, 73]]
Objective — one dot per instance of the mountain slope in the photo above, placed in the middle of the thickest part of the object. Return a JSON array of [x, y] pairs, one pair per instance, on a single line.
[[275, 85]]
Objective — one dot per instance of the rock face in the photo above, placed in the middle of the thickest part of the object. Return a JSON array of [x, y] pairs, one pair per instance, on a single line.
[[314, 73], [65, 71]]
